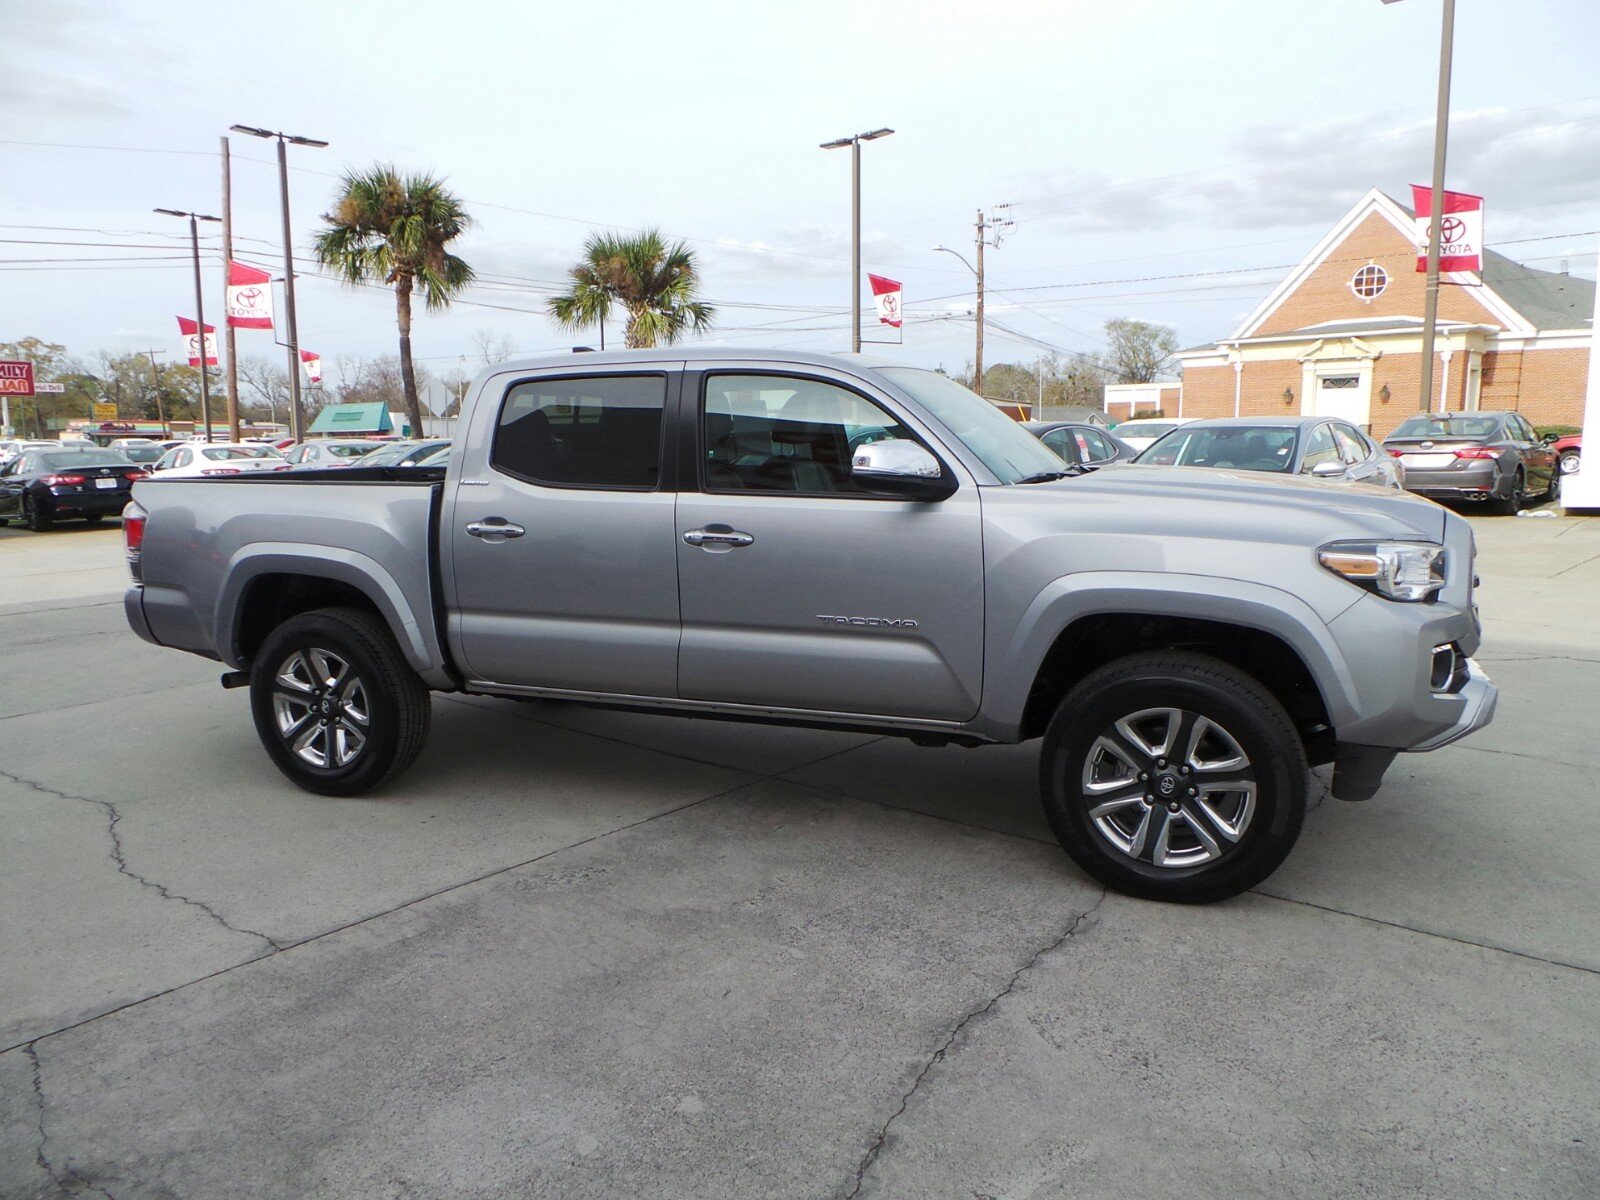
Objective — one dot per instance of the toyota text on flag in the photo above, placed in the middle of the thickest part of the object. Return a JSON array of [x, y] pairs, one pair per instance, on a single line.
[[249, 297], [886, 294], [1460, 229]]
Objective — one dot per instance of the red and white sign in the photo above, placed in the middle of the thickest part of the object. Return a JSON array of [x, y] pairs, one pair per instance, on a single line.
[[886, 294], [313, 364], [249, 297], [191, 342], [1460, 230], [16, 378]]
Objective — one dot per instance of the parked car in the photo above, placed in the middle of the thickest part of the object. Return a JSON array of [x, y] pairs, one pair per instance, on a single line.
[[12, 448], [1485, 457], [1568, 452], [1081, 445], [1182, 646], [217, 458], [42, 486], [439, 458], [396, 454], [1321, 447], [328, 452], [144, 453], [1143, 432]]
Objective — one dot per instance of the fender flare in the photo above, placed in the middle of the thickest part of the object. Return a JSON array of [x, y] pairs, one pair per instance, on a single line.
[[1070, 598], [366, 575]]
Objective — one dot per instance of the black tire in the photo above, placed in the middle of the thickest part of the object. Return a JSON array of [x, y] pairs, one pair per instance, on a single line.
[[1553, 494], [1511, 503], [1265, 827], [396, 703], [37, 521]]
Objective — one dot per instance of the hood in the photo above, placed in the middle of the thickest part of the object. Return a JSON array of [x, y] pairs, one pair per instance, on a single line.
[[1249, 503]]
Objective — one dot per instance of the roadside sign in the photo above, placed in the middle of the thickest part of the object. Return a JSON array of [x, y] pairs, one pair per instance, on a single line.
[[49, 389], [16, 378], [105, 412]]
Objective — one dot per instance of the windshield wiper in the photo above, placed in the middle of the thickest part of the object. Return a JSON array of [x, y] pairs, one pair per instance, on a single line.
[[1048, 476]]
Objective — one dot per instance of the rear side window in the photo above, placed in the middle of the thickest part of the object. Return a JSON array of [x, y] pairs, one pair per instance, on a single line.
[[1351, 447], [602, 432]]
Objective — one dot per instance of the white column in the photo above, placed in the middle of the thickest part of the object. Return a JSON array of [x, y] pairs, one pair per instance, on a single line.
[[1581, 490], [1444, 380], [1238, 384]]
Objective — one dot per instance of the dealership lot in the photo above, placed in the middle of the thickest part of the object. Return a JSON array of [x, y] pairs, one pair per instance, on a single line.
[[598, 954]]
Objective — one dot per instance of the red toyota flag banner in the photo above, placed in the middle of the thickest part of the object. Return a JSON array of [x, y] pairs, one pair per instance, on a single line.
[[249, 297], [191, 342], [313, 363], [1460, 229], [886, 294]]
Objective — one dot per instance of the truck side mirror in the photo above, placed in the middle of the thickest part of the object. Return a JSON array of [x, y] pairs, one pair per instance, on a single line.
[[900, 467]]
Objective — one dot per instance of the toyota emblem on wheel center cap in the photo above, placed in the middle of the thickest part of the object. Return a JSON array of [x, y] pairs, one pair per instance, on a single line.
[[1167, 785]]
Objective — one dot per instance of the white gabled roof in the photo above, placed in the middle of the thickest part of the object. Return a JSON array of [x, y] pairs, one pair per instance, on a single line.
[[1374, 201]]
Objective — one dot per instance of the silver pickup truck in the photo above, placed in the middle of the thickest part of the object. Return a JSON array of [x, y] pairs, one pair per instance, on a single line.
[[824, 541]]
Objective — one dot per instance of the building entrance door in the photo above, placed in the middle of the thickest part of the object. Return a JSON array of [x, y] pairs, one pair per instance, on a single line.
[[1343, 392]]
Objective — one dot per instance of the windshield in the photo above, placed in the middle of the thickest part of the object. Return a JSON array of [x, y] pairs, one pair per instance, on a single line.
[[1437, 427], [1009, 451], [1243, 448], [1145, 429], [224, 453], [339, 451], [83, 458]]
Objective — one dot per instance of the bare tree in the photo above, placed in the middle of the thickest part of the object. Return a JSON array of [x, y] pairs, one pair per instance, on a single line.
[[268, 381], [492, 347], [1137, 351]]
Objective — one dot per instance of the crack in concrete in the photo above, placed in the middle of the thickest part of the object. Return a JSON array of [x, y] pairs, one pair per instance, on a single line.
[[70, 1182], [939, 1055], [120, 859]]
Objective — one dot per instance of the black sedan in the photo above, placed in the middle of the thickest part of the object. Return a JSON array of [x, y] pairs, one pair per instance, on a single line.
[[1081, 444], [42, 486], [1321, 447], [1493, 457]]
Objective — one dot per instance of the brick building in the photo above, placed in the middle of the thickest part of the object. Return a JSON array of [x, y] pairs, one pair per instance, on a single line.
[[1342, 334]]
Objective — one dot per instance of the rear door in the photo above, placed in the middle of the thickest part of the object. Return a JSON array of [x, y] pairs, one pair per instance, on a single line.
[[560, 535], [801, 590]]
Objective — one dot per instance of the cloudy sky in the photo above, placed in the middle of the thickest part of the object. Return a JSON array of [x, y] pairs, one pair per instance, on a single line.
[[1164, 159]]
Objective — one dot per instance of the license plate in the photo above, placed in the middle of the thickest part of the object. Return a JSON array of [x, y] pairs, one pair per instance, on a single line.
[[1427, 462], [106, 483]]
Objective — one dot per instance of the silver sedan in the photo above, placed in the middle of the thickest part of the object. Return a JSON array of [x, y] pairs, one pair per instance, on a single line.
[[1321, 447]]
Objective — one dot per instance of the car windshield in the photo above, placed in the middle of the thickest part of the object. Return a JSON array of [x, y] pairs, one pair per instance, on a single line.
[[1441, 427], [348, 451], [224, 453], [1009, 451], [386, 455], [1241, 447], [1145, 429], [143, 453], [83, 458]]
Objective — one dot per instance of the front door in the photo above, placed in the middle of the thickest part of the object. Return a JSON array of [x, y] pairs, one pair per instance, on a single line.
[[800, 589], [1344, 393], [562, 540]]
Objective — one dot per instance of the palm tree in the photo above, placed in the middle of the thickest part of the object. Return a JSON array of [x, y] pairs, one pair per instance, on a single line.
[[390, 228], [656, 284]]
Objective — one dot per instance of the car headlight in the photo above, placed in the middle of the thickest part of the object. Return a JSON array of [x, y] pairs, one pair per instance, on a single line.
[[1396, 570]]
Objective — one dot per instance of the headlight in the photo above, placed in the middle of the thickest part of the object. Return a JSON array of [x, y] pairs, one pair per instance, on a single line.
[[1397, 570]]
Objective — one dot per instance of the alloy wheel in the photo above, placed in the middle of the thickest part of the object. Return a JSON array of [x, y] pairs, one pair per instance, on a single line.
[[320, 709], [1169, 787]]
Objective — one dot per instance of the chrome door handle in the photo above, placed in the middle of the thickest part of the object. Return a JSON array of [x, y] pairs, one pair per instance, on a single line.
[[495, 527], [717, 535]]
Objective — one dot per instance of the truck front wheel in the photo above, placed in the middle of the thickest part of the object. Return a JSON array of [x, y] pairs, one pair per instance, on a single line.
[[1174, 776], [337, 707]]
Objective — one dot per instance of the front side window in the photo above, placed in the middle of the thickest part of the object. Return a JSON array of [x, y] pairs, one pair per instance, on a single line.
[[1008, 450], [1320, 448], [601, 432], [779, 433], [1351, 447]]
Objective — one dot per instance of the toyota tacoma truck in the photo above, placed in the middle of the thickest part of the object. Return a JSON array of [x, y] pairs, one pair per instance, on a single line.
[[830, 542]]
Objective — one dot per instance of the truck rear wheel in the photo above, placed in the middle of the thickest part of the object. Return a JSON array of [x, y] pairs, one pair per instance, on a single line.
[[1174, 776], [336, 705]]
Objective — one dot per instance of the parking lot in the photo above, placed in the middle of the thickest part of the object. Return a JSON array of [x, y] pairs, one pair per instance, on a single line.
[[581, 953]]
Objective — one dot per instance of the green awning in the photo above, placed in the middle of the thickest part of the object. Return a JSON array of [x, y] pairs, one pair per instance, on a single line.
[[353, 418]]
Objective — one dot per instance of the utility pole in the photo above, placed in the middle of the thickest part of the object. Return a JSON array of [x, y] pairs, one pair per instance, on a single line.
[[199, 308], [985, 225], [232, 367], [977, 367], [1441, 133], [854, 143], [155, 386], [296, 417]]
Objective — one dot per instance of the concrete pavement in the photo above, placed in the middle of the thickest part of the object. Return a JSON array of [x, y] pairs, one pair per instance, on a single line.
[[593, 954]]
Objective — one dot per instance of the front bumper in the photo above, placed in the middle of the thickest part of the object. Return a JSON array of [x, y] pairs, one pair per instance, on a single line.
[[1480, 696]]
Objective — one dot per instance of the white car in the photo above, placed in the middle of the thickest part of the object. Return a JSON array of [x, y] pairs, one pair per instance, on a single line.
[[1144, 432], [10, 448], [217, 458]]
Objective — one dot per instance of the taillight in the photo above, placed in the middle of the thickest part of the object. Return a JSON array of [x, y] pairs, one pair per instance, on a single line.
[[1477, 452], [133, 518], [1397, 453], [135, 476], [63, 480]]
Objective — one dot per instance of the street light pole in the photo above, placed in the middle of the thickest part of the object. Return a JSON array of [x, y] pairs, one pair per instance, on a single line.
[[1441, 135], [854, 143], [199, 308], [296, 417]]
